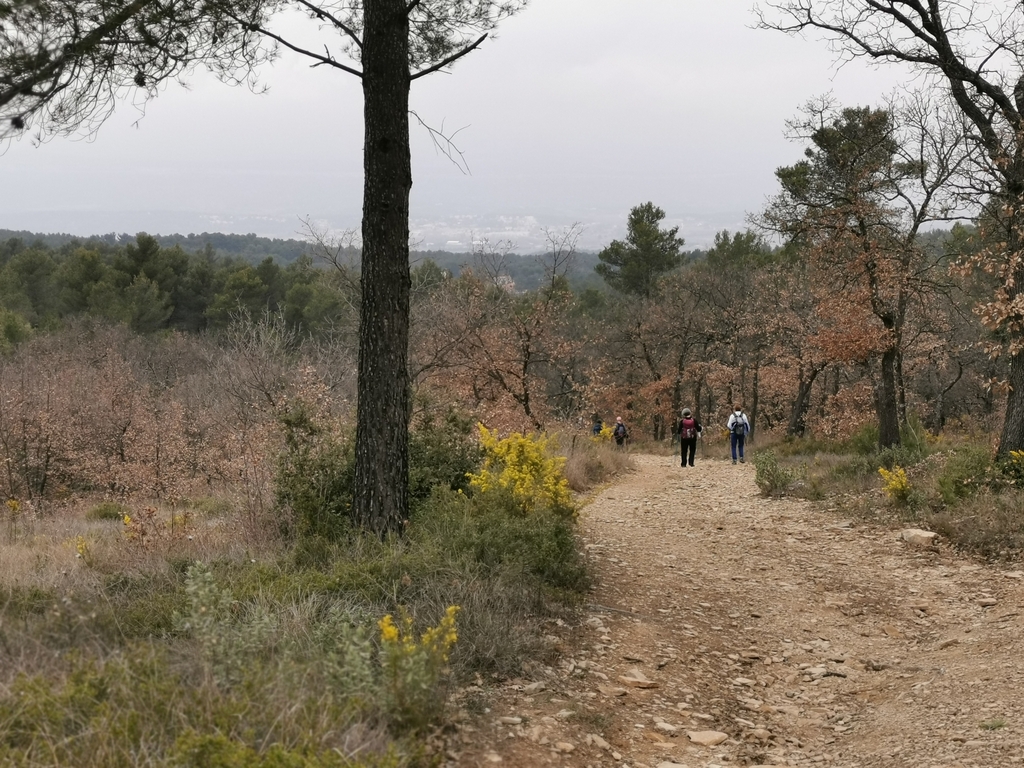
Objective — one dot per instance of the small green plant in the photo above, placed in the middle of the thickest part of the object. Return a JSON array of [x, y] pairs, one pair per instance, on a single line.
[[895, 484], [413, 669], [315, 474], [441, 453], [230, 645], [527, 467], [864, 441], [994, 724], [212, 506], [966, 472], [769, 475], [107, 510]]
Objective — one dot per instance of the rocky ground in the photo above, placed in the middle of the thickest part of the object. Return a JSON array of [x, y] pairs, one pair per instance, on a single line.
[[727, 629]]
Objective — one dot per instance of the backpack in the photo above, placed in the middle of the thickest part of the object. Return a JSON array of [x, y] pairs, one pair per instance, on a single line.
[[688, 429], [739, 426], [620, 431]]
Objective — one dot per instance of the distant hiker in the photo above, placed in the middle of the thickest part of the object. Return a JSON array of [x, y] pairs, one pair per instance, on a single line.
[[598, 425], [620, 433], [689, 430], [738, 427]]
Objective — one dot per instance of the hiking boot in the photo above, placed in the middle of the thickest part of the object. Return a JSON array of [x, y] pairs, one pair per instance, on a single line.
[[734, 461], [741, 459]]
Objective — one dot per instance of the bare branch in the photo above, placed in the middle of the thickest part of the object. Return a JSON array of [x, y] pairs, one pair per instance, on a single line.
[[445, 143]]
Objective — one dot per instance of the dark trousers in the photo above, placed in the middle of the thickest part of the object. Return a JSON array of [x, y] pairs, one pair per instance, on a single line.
[[737, 442], [689, 448]]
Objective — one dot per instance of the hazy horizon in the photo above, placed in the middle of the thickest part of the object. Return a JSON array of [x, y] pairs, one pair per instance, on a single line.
[[575, 113]]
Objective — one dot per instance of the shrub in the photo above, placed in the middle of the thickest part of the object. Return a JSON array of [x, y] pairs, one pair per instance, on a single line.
[[912, 448], [895, 484], [14, 330], [1012, 469], [317, 468], [900, 455], [592, 461], [212, 506], [967, 471], [865, 440], [990, 525], [412, 670], [492, 530], [769, 475], [527, 467], [914, 436], [229, 646], [441, 453], [107, 510], [315, 476]]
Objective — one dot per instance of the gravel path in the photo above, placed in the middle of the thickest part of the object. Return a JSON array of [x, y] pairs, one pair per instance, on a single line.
[[784, 633]]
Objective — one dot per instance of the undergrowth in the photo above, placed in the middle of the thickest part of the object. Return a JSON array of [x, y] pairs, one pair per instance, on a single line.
[[955, 487], [167, 641]]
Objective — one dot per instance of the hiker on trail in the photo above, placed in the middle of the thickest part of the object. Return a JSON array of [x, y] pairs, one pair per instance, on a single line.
[[620, 433], [689, 430], [738, 427], [598, 425]]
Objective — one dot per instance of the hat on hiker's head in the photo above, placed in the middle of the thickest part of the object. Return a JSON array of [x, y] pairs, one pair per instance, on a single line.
[[686, 411], [738, 408]]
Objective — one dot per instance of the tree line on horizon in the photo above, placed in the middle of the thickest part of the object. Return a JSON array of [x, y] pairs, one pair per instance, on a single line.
[[794, 338]]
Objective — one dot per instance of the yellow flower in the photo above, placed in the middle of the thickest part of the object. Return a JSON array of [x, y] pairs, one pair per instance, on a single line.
[[896, 485], [525, 465], [388, 630]]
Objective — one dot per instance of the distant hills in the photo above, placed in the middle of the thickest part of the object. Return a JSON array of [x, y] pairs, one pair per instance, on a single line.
[[526, 271]]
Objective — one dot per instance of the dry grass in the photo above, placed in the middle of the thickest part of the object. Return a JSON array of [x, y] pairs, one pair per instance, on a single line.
[[591, 462], [989, 525]]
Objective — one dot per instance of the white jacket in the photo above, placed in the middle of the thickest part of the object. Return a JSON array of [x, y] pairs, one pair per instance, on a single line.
[[733, 419]]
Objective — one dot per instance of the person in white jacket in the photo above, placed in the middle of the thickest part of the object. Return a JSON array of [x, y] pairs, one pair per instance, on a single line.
[[738, 427]]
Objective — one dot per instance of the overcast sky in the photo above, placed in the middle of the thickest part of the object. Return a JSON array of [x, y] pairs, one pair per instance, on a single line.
[[578, 111]]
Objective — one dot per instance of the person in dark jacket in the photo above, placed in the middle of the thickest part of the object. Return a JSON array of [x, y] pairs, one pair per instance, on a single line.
[[620, 433], [689, 430]]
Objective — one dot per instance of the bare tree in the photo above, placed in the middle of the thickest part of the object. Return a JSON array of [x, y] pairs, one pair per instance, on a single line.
[[974, 50], [65, 63]]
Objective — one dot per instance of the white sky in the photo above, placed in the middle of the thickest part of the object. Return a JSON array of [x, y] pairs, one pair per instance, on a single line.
[[578, 111]]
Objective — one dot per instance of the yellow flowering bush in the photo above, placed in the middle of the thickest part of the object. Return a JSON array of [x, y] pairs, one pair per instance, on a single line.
[[1013, 468], [413, 669], [604, 436], [527, 467], [895, 484]]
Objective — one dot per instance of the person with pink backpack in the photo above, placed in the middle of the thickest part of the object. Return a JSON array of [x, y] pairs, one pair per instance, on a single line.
[[689, 431]]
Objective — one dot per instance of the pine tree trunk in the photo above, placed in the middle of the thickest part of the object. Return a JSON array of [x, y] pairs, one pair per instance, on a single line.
[[381, 496], [886, 402]]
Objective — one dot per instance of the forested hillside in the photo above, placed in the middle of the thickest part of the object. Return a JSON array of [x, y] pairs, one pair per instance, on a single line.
[[525, 270], [793, 339]]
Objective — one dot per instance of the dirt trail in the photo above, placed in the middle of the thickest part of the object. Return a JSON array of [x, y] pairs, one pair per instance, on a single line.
[[804, 638]]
